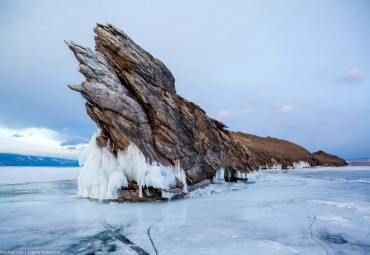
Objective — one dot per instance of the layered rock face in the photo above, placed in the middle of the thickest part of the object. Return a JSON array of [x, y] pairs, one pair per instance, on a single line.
[[271, 152], [131, 96]]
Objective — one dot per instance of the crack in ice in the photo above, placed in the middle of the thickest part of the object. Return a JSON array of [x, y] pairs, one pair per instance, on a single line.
[[125, 240], [150, 238], [313, 236]]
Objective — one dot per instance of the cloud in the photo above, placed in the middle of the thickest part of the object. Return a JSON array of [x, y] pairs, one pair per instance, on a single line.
[[354, 76], [17, 135], [221, 115], [74, 141], [39, 141], [22, 135], [286, 108]]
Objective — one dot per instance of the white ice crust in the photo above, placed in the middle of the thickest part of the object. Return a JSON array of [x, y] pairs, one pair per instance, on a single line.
[[102, 173], [296, 165], [251, 176]]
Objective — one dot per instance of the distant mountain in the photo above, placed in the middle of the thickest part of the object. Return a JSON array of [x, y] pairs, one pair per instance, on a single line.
[[359, 162], [8, 159]]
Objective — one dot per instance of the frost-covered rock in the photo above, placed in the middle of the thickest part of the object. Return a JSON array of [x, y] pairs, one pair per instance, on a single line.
[[131, 96]]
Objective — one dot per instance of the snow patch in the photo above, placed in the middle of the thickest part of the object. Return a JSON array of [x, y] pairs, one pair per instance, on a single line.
[[337, 220], [103, 174], [342, 205]]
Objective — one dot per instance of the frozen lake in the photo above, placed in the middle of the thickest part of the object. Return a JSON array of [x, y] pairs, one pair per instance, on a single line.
[[320, 211]]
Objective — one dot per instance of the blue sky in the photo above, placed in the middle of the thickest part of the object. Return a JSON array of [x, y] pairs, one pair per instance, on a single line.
[[296, 70]]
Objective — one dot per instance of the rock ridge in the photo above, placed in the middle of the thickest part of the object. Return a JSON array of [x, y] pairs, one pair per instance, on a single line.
[[327, 159], [132, 97]]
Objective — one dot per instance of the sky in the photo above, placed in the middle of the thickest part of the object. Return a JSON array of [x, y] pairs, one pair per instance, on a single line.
[[295, 70]]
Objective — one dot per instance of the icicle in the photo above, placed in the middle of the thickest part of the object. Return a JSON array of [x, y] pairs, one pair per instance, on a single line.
[[180, 175], [220, 175], [103, 174], [254, 175]]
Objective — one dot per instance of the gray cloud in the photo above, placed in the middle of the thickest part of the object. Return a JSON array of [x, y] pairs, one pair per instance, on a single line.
[[17, 135], [354, 76], [73, 141]]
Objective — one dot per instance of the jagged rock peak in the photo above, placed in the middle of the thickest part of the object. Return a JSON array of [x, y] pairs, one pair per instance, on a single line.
[[131, 96]]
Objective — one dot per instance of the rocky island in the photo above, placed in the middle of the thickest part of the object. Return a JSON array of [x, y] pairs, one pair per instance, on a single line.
[[152, 143]]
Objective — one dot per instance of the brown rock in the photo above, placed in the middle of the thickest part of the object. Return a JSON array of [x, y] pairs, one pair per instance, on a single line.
[[269, 151], [131, 96], [327, 159]]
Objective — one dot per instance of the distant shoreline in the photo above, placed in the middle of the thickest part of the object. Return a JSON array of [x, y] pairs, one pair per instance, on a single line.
[[358, 162], [10, 159]]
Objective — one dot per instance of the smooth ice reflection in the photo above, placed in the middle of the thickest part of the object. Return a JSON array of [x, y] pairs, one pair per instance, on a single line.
[[319, 211]]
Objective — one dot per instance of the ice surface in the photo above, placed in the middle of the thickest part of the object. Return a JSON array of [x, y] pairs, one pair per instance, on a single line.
[[21, 174], [306, 211], [103, 174]]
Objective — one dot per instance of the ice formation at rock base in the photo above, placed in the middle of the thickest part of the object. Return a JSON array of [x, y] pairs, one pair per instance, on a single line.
[[103, 174]]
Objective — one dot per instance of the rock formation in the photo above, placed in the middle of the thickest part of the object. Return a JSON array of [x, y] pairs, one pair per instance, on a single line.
[[269, 152], [132, 98], [327, 159]]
